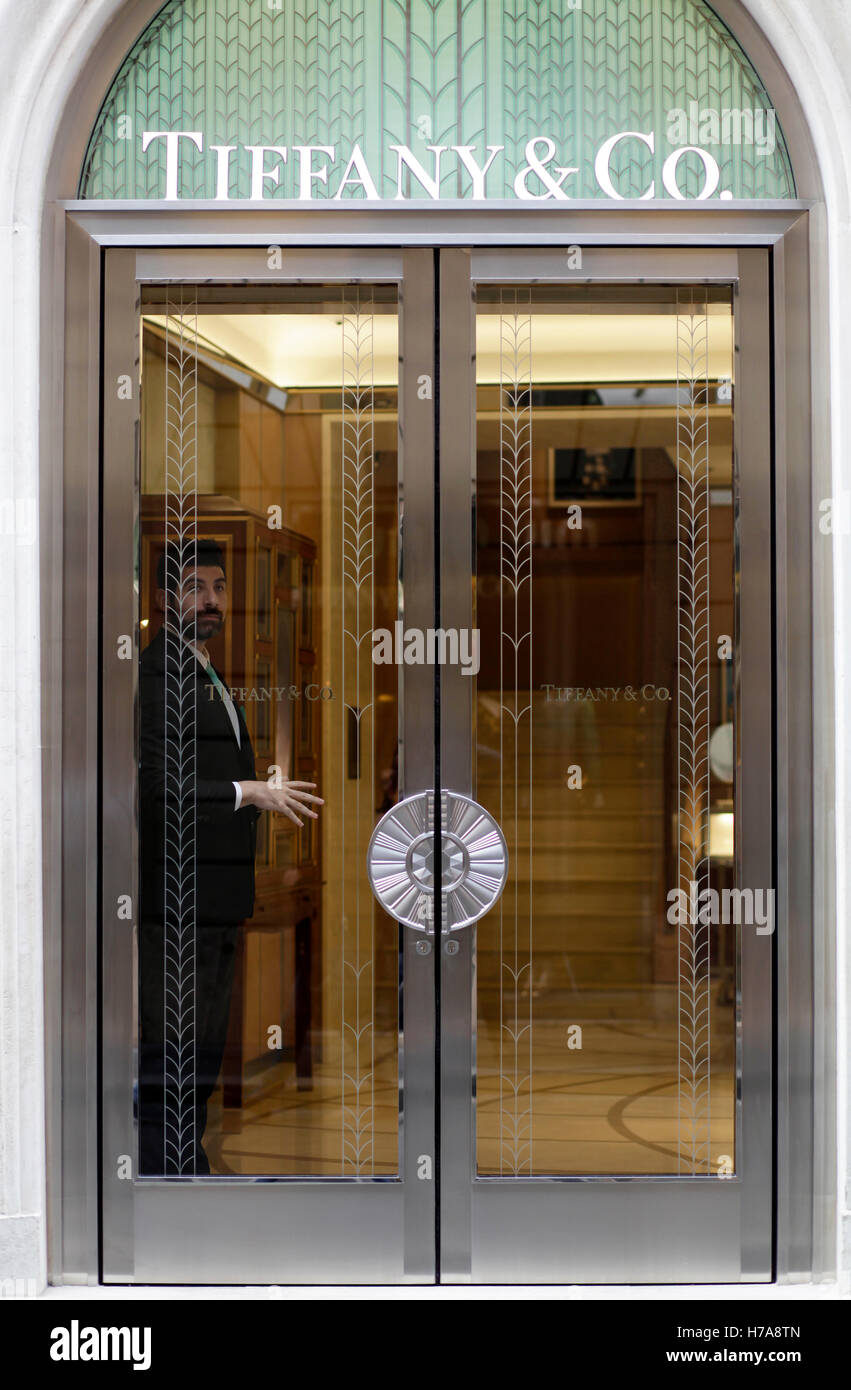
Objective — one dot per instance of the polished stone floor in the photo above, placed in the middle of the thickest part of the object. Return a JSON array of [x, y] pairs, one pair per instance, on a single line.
[[610, 1107]]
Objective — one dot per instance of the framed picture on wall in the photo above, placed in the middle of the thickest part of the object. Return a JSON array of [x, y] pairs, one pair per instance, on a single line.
[[594, 477]]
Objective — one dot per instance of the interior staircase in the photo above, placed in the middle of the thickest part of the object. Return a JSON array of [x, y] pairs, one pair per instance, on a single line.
[[587, 865]]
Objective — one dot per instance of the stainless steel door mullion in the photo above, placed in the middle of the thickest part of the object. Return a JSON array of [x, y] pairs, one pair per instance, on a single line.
[[120, 617], [754, 747], [457, 500], [417, 751]]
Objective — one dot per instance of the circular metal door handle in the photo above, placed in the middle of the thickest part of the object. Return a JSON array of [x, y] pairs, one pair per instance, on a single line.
[[474, 861]]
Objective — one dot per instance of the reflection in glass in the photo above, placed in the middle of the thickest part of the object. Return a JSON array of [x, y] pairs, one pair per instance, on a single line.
[[269, 994], [605, 600]]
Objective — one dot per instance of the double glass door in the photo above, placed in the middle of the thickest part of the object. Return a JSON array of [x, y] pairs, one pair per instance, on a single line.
[[474, 547]]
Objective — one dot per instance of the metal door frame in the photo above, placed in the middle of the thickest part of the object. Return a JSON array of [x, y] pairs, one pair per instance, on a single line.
[[805, 1110]]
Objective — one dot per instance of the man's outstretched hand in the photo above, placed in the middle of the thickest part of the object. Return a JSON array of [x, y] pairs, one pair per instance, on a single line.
[[292, 799]]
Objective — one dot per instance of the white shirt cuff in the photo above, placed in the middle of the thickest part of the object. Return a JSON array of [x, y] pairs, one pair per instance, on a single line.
[[238, 789]]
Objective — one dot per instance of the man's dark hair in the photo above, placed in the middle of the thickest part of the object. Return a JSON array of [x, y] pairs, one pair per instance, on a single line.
[[202, 552]]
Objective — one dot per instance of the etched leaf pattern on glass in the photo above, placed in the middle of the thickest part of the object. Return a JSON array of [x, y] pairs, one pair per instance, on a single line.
[[693, 700], [181, 510], [515, 730], [357, 796], [418, 72]]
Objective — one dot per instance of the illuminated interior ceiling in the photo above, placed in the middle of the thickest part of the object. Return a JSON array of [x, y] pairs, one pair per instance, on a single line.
[[305, 351], [605, 347]]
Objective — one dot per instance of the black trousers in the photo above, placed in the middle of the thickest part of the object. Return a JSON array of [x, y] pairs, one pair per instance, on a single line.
[[173, 1110]]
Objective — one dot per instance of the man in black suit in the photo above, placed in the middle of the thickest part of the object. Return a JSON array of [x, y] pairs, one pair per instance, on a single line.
[[200, 803]]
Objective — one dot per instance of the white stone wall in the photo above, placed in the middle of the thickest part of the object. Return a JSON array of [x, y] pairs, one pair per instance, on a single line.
[[43, 46]]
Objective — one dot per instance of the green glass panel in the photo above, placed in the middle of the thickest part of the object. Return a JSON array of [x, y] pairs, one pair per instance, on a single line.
[[379, 73]]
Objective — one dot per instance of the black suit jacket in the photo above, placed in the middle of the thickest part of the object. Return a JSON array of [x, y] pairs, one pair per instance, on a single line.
[[224, 839]]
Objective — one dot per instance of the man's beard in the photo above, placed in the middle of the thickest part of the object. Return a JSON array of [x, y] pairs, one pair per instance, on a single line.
[[202, 626]]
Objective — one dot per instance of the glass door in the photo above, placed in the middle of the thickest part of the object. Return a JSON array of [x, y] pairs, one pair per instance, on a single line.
[[606, 1026], [437, 895], [268, 504]]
